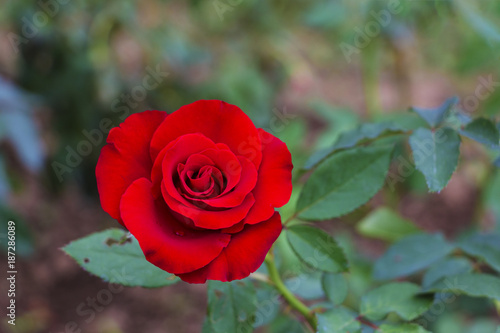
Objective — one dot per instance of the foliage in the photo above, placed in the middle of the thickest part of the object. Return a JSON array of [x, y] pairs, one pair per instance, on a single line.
[[341, 182], [354, 172], [117, 258]]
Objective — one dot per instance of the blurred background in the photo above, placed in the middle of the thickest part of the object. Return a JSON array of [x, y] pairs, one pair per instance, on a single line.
[[305, 70]]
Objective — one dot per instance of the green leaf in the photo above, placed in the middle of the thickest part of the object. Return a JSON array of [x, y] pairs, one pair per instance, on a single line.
[[316, 248], [307, 286], [268, 304], [445, 268], [436, 155], [399, 297], [410, 255], [231, 307], [361, 135], [286, 324], [401, 328], [435, 117], [483, 131], [475, 285], [289, 264], [405, 121], [385, 224], [113, 257], [335, 287], [344, 182], [338, 320], [485, 247]]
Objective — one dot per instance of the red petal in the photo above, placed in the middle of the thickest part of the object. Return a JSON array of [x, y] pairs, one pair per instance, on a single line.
[[244, 254], [240, 191], [235, 228], [176, 153], [203, 182], [166, 242], [157, 172], [125, 158], [228, 164], [274, 184], [217, 120], [208, 219]]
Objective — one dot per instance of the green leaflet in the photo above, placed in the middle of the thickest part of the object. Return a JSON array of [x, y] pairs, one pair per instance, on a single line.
[[399, 297], [436, 116], [436, 155], [231, 307], [113, 257], [338, 320], [410, 255], [476, 285], [316, 248], [384, 223], [335, 286], [483, 131], [485, 247], [344, 182]]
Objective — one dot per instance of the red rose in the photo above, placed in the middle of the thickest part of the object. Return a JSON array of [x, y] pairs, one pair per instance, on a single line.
[[197, 188]]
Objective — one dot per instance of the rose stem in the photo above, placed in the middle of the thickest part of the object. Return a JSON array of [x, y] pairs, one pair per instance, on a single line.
[[294, 302]]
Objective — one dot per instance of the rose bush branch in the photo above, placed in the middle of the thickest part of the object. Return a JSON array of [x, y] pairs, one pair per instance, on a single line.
[[293, 301]]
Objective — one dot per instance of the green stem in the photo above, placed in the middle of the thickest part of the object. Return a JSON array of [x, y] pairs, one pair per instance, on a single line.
[[293, 301]]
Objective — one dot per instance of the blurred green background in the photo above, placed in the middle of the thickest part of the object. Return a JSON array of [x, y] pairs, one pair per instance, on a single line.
[[71, 69]]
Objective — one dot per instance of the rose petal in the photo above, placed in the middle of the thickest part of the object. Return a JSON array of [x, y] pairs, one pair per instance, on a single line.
[[200, 217], [201, 165], [217, 120], [179, 152], [240, 191], [157, 172], [125, 158], [166, 242], [235, 228], [201, 184], [228, 164], [274, 184], [244, 254]]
